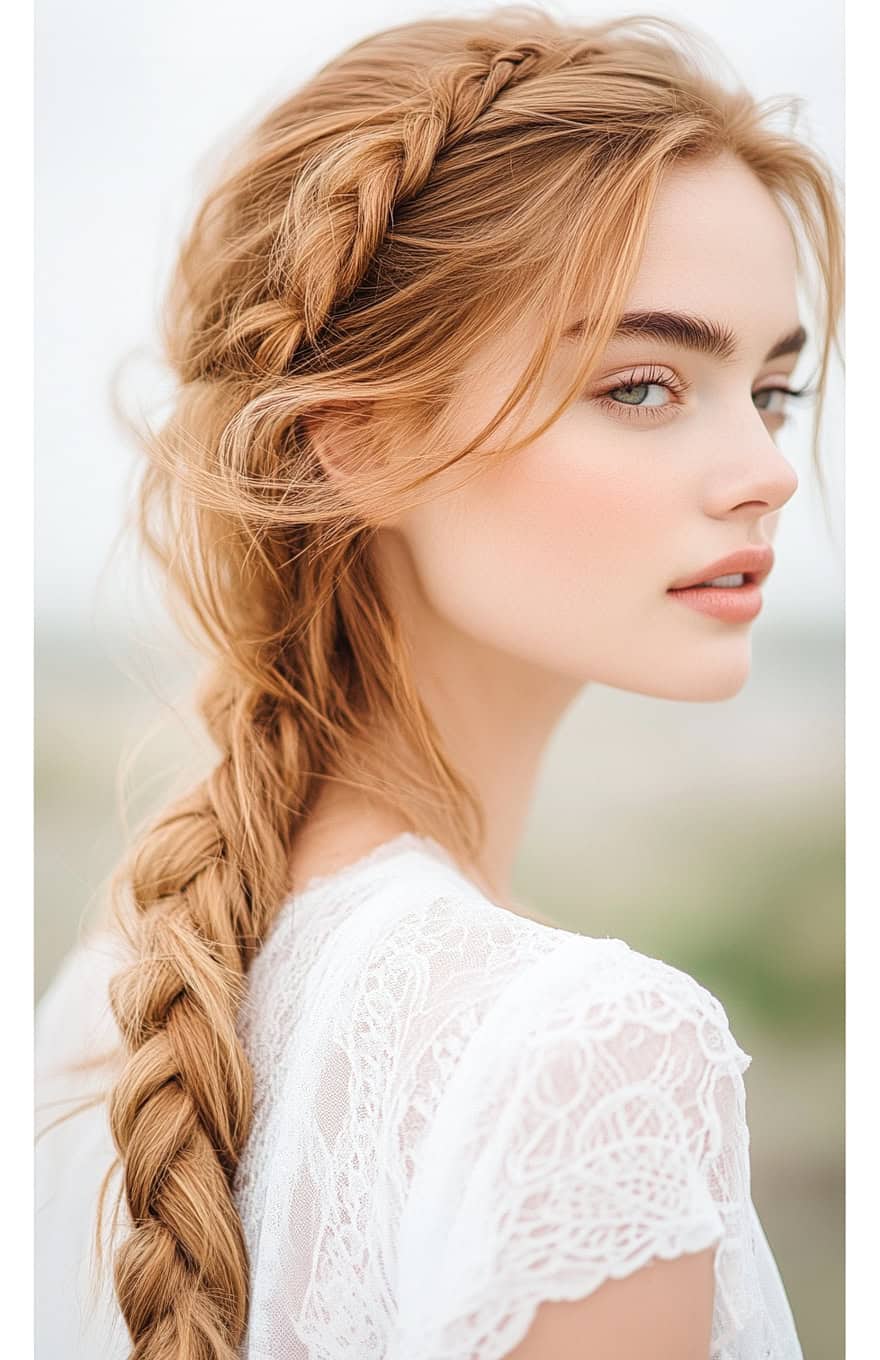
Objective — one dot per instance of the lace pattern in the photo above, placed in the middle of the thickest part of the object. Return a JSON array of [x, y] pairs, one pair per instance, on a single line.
[[459, 1114]]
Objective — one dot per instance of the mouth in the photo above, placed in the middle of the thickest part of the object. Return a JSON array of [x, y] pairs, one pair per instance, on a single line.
[[749, 578], [733, 603], [745, 567]]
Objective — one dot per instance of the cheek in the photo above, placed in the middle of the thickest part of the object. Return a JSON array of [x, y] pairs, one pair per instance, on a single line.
[[551, 545]]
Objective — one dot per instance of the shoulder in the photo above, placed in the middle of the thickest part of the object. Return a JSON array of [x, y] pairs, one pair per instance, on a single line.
[[608, 1027], [594, 1121], [639, 1055], [536, 986], [612, 988], [599, 991], [564, 1035]]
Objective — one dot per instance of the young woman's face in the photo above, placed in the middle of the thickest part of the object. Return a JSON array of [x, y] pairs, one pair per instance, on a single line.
[[562, 555]]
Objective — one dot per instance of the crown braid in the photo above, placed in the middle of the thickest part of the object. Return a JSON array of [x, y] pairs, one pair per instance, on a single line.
[[353, 189]]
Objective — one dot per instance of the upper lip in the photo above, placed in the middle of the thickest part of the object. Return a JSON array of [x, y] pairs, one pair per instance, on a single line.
[[754, 563]]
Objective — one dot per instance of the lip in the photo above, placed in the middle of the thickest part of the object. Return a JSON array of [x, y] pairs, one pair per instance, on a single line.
[[754, 563], [739, 604]]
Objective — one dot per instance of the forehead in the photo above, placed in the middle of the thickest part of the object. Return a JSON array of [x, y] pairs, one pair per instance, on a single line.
[[717, 247], [718, 244]]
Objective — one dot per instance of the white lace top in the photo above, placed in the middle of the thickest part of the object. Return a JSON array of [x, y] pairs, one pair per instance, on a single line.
[[459, 1113]]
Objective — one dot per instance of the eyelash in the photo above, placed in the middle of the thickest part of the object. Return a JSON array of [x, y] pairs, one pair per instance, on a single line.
[[680, 387]]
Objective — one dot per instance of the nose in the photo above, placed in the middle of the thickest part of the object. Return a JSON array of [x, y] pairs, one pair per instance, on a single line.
[[759, 483]]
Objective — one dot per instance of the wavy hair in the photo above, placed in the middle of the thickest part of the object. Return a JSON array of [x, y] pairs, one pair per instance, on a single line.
[[413, 198]]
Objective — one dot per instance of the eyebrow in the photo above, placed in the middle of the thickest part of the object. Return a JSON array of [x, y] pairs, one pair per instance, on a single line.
[[694, 333]]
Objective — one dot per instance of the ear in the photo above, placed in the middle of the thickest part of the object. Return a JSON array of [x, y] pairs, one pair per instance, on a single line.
[[345, 444], [335, 436], [331, 433]]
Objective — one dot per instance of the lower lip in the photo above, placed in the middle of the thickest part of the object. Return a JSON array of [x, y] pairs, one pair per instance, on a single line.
[[734, 604]]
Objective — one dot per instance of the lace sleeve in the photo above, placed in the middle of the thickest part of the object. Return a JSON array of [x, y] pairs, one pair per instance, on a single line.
[[597, 1120]]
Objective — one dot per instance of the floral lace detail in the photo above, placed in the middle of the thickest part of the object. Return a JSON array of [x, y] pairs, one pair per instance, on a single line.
[[459, 1113], [465, 1112]]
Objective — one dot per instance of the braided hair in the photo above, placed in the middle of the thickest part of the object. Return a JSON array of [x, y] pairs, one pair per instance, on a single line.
[[418, 193]]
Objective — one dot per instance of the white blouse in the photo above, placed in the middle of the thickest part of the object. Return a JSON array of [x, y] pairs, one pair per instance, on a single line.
[[459, 1113]]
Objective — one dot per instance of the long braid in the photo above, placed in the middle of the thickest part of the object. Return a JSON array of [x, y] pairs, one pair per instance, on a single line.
[[205, 882], [209, 877]]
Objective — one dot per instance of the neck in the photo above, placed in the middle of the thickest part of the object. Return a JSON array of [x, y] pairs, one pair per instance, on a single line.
[[495, 713]]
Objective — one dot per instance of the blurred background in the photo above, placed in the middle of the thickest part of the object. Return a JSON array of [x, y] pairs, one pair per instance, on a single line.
[[709, 835]]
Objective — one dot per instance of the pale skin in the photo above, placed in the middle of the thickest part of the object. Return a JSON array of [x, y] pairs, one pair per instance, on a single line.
[[551, 569]]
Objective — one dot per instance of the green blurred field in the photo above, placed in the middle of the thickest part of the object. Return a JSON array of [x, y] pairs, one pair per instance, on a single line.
[[709, 835]]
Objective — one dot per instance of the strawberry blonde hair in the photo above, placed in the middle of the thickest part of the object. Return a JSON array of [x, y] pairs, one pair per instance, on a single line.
[[411, 200]]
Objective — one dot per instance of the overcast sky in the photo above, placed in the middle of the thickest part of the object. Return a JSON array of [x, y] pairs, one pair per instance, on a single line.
[[131, 98]]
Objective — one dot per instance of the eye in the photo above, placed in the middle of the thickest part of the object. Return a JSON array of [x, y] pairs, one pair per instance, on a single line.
[[639, 395], [780, 412]]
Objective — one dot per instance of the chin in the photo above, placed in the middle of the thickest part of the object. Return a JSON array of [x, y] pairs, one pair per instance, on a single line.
[[701, 675], [710, 679]]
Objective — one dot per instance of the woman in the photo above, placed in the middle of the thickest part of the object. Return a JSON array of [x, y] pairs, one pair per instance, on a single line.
[[482, 341]]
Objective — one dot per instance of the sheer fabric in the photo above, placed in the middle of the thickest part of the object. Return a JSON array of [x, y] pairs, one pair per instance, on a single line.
[[459, 1113]]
